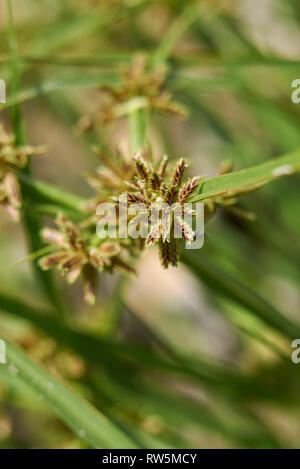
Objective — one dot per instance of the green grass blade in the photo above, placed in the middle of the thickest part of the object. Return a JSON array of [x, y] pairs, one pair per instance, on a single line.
[[86, 422], [175, 32], [44, 192], [31, 220], [249, 179], [16, 114], [49, 86], [98, 351], [138, 129]]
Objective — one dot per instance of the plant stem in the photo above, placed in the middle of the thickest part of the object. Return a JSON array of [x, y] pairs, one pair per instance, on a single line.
[[172, 36], [45, 192], [138, 120], [85, 420], [31, 220]]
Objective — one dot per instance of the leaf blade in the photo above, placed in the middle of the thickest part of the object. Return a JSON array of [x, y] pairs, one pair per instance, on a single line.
[[249, 179], [87, 422]]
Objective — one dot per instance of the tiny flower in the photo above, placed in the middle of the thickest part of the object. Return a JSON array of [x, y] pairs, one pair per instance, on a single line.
[[164, 254], [142, 169], [178, 173], [170, 195], [188, 190], [136, 81], [155, 180]]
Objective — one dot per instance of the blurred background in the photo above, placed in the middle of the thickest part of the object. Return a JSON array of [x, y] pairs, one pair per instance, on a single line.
[[223, 377]]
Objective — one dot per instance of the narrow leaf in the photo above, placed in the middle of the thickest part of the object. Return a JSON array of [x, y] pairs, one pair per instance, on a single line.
[[248, 179], [87, 423]]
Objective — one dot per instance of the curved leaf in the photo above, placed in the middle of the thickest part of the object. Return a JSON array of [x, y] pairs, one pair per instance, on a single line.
[[88, 423]]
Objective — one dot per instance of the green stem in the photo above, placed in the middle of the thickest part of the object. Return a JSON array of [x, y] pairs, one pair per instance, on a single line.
[[44, 192], [31, 220], [85, 420], [138, 120], [175, 32]]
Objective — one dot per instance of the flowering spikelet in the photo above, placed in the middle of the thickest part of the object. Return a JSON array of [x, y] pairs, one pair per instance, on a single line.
[[178, 173], [155, 181], [109, 179], [174, 252], [163, 166], [188, 189], [164, 253], [142, 169], [171, 195], [136, 199], [164, 190], [186, 230], [137, 80], [153, 236], [72, 256]]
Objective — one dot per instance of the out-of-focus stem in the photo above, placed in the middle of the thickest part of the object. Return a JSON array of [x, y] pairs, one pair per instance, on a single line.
[[44, 192], [138, 120]]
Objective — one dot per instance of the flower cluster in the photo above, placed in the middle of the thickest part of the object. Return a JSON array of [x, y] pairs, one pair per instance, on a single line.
[[12, 158], [152, 187], [146, 185], [75, 251], [137, 81], [110, 178], [73, 255]]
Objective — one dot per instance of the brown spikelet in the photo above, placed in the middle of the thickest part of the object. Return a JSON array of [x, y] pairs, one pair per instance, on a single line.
[[164, 190], [187, 232], [178, 173], [163, 166], [155, 181], [72, 262], [188, 189], [137, 186], [174, 252], [142, 169], [164, 253], [136, 199], [133, 185], [52, 260], [153, 236], [72, 234], [171, 195]]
